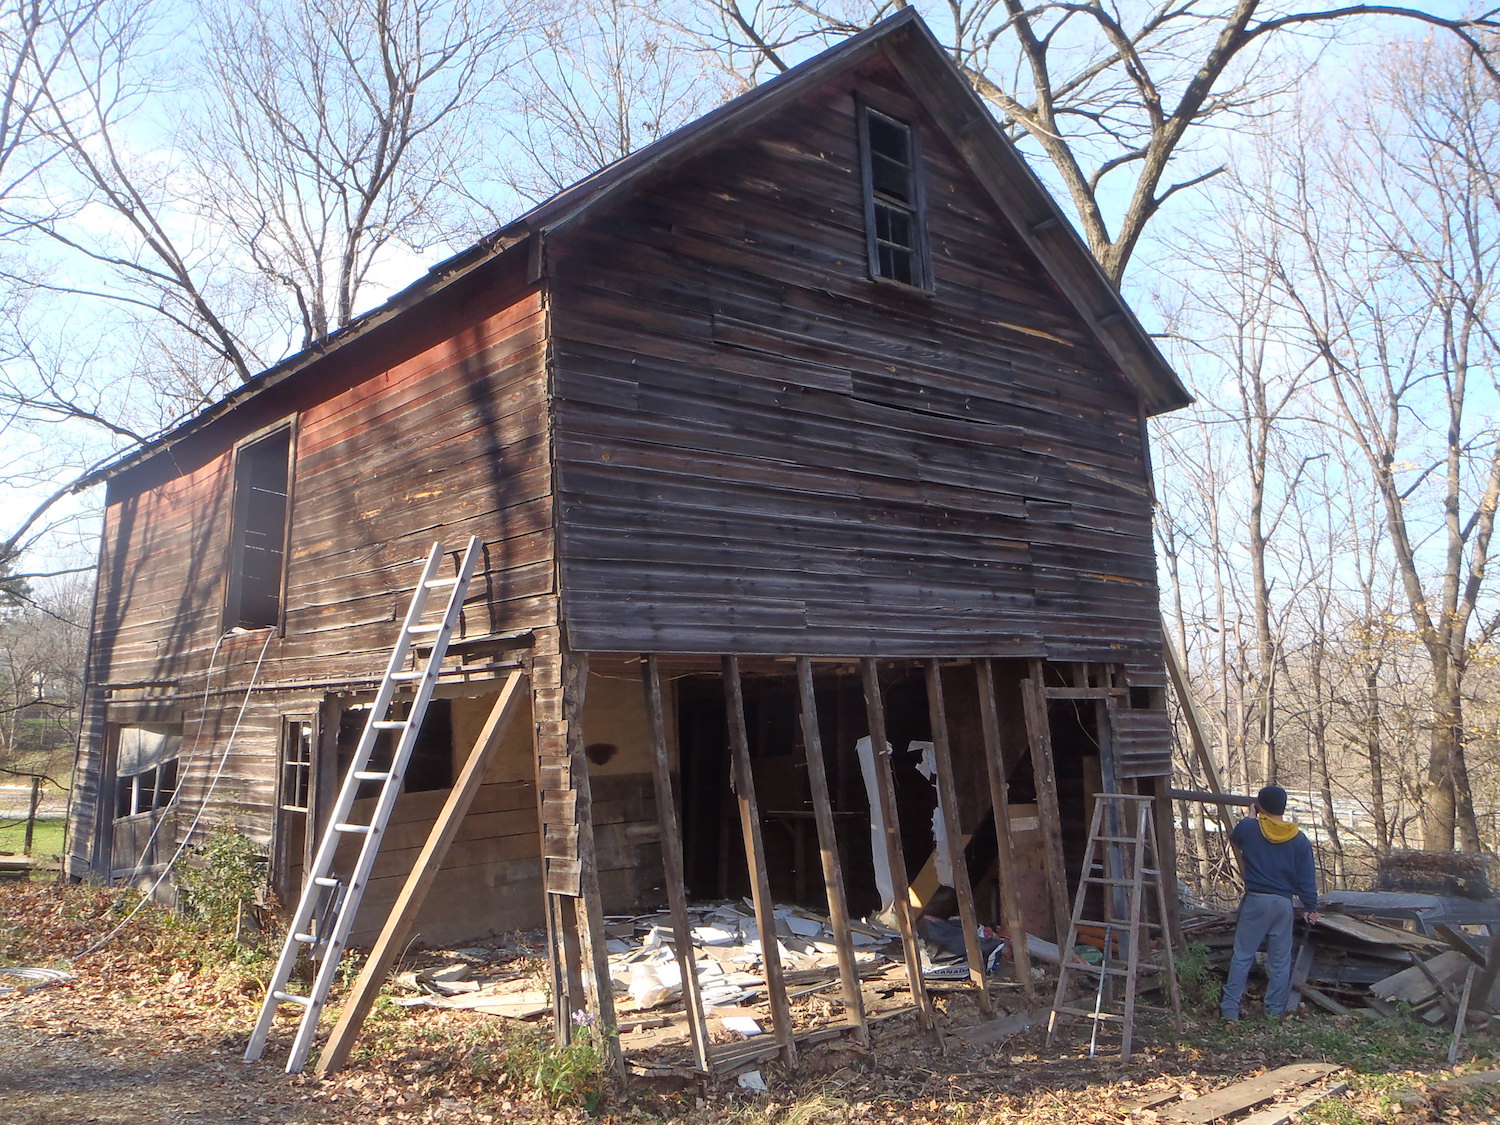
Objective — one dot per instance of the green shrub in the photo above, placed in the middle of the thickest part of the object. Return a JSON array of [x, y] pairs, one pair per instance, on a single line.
[[219, 886], [1197, 982]]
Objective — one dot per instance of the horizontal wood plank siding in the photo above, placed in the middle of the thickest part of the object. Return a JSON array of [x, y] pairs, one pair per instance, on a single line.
[[435, 428], [760, 450]]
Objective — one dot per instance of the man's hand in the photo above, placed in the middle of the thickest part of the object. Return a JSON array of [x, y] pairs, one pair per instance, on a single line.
[[1312, 917]]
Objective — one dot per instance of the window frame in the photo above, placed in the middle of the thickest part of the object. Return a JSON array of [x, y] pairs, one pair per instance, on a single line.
[[149, 789], [237, 591], [915, 208]]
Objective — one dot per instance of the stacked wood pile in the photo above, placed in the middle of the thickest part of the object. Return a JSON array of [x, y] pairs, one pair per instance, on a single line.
[[1348, 963]]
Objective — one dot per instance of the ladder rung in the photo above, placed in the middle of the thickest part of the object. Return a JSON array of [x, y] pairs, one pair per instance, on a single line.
[[325, 881], [357, 828], [1117, 839], [429, 628], [390, 724], [409, 675], [293, 998], [309, 939], [440, 583], [371, 775], [1089, 1013]]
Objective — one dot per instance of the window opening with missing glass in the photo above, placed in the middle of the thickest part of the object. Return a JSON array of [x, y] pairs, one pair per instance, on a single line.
[[261, 485], [893, 200], [145, 769]]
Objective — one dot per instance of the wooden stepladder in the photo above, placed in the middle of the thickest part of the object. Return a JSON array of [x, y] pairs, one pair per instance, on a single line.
[[330, 898], [1120, 868]]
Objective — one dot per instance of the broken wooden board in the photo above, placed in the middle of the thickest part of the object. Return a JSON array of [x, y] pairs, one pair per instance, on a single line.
[[1285, 1111], [1004, 1027], [1412, 986], [1247, 1094], [1376, 934]]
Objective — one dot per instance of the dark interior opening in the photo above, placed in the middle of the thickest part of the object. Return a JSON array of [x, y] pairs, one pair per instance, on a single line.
[[431, 763], [262, 473]]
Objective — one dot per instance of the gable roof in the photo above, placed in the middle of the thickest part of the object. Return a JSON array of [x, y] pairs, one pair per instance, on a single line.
[[905, 40]]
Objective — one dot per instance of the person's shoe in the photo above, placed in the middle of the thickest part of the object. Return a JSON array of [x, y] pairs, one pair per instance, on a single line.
[[1230, 1017]]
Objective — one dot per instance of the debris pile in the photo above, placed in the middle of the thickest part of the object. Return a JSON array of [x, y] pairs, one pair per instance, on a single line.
[[1375, 951]]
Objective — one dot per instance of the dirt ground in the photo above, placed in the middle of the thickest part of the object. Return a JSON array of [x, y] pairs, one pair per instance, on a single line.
[[148, 1032]]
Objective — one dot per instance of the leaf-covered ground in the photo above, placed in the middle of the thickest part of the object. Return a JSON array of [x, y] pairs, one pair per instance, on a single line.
[[151, 1030]]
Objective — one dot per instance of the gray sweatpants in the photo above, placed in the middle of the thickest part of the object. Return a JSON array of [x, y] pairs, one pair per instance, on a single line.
[[1263, 920]]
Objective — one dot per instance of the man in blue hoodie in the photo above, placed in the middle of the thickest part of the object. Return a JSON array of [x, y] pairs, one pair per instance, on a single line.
[[1277, 861]]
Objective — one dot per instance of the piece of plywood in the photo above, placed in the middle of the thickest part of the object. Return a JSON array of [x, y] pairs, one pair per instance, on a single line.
[[1376, 934], [1412, 984], [1247, 1094]]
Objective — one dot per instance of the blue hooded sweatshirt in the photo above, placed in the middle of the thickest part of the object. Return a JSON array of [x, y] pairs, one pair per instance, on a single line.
[[1281, 866]]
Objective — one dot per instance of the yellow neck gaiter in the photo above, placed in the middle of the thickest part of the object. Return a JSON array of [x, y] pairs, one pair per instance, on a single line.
[[1277, 831]]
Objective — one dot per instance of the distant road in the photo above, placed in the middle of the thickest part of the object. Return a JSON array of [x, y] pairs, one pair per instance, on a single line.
[[15, 800]]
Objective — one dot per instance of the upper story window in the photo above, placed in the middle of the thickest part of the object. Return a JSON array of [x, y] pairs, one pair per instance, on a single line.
[[262, 471], [893, 200]]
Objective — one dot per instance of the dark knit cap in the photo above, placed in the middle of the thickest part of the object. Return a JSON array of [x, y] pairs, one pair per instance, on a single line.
[[1272, 799]]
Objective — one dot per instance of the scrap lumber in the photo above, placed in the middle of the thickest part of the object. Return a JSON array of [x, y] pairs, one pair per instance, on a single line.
[[1412, 986], [1373, 933], [1246, 1094], [1463, 1015], [1284, 1111]]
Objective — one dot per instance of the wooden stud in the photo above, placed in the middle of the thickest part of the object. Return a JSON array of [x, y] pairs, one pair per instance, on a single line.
[[743, 779], [588, 912], [886, 789], [671, 854], [828, 844], [1039, 735], [994, 759], [937, 712], [404, 911]]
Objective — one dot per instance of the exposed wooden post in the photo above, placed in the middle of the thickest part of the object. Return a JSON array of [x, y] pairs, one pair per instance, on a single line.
[[404, 911], [743, 779], [588, 911], [886, 788], [671, 854], [1039, 735], [828, 845], [937, 713], [994, 758]]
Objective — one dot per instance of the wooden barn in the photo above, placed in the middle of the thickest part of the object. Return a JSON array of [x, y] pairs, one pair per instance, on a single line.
[[812, 422]]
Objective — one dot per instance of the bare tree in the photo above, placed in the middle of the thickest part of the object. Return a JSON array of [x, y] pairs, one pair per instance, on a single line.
[[1394, 290], [336, 130], [600, 81], [1110, 94]]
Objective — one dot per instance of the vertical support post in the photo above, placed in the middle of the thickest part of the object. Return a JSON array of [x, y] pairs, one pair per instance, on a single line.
[[743, 779], [35, 803], [588, 911], [885, 785], [937, 712], [1039, 734], [994, 758], [671, 854], [1166, 856], [828, 844]]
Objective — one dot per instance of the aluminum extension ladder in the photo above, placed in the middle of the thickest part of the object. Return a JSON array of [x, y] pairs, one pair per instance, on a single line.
[[1122, 863], [330, 900]]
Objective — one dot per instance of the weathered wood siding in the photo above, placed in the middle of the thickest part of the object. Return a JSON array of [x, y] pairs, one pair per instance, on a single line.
[[433, 427], [760, 450]]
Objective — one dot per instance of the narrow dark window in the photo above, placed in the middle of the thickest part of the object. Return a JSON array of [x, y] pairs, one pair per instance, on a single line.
[[296, 765], [893, 200], [261, 478]]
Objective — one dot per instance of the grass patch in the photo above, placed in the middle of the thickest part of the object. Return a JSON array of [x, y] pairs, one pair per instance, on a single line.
[[46, 843]]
